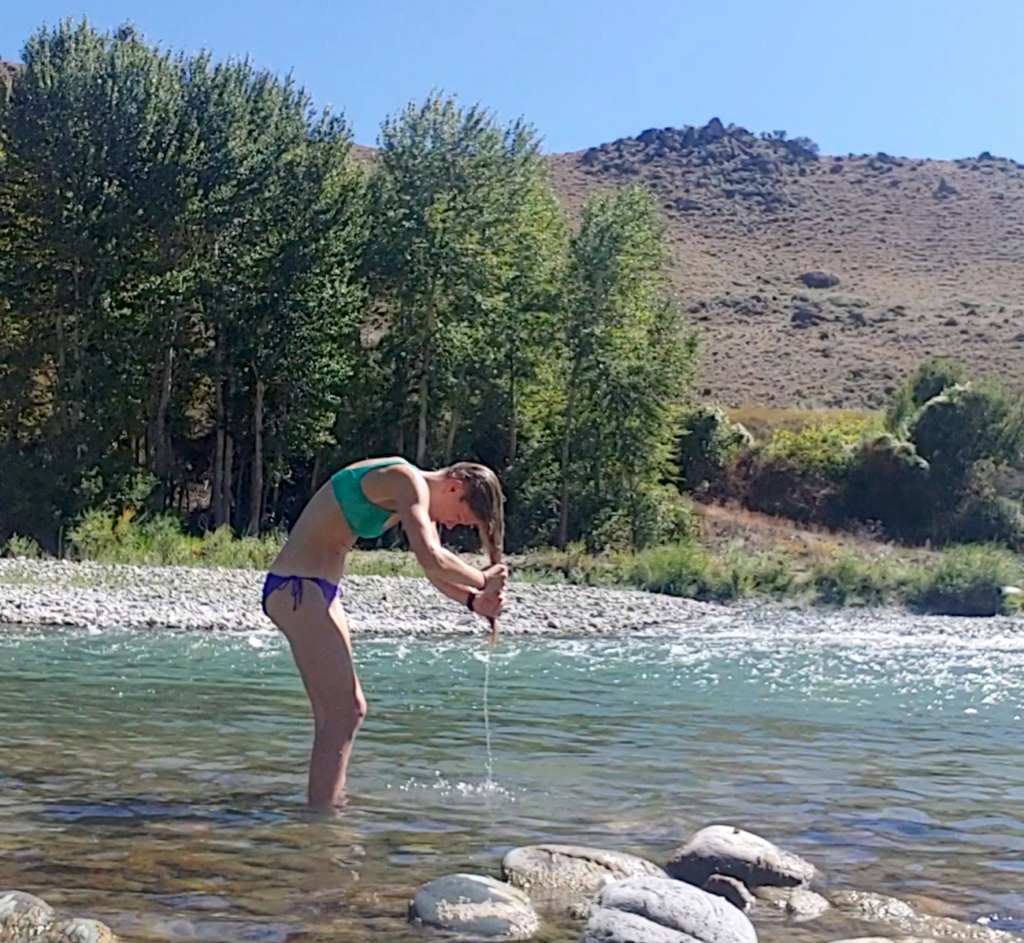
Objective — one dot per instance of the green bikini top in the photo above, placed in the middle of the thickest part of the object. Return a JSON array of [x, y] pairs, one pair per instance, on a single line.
[[364, 517]]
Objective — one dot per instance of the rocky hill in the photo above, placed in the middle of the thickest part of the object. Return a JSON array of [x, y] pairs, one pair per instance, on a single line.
[[825, 280]]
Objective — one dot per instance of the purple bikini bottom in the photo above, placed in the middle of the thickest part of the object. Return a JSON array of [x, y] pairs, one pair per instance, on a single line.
[[274, 582]]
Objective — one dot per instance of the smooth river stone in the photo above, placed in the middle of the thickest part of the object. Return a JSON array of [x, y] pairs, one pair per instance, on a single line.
[[796, 902], [723, 849], [555, 870], [662, 910], [736, 892], [476, 906], [23, 917]]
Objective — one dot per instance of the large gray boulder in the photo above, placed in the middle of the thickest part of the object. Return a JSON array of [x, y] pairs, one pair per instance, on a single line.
[[553, 870], [723, 849], [661, 910], [475, 906]]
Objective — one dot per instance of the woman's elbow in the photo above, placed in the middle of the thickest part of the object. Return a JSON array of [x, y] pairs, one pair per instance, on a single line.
[[432, 562]]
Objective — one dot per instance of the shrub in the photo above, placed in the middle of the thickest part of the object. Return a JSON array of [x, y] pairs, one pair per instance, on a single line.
[[652, 516], [800, 473], [161, 541], [931, 379], [990, 512], [823, 448], [957, 428], [688, 569], [24, 547], [968, 581], [850, 580], [887, 483], [93, 537], [677, 570], [709, 443]]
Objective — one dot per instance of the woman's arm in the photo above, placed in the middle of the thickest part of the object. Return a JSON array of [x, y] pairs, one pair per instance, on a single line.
[[413, 499], [487, 603]]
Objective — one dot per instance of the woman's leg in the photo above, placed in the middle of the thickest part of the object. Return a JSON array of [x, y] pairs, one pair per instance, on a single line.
[[320, 643]]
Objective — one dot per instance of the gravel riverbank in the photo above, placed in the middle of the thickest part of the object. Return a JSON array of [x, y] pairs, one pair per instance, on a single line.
[[99, 596]]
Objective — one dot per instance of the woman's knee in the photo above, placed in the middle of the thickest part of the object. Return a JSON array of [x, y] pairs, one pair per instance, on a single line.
[[340, 722]]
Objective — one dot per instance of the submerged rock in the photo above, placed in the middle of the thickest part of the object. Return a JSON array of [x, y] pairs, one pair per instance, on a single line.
[[723, 849], [474, 905], [559, 870], [661, 910], [869, 906], [866, 939], [914, 926], [80, 930], [796, 902]]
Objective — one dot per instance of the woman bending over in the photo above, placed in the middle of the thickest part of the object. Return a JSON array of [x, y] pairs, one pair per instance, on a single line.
[[364, 500]]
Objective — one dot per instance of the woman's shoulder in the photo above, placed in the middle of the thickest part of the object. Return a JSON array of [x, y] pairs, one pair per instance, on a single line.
[[382, 461]]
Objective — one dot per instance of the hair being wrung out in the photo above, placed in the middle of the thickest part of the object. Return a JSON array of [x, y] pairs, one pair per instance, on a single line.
[[482, 492]]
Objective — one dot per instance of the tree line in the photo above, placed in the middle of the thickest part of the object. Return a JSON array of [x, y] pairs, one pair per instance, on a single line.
[[208, 302]]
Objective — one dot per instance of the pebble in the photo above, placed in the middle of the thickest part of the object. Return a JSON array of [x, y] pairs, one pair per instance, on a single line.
[[102, 596]]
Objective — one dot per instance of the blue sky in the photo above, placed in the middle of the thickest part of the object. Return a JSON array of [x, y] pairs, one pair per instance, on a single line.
[[918, 78]]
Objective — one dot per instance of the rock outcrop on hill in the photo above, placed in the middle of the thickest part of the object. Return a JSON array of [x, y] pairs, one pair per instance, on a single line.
[[890, 259]]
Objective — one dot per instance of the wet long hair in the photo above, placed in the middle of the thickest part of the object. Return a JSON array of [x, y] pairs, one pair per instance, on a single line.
[[482, 492]]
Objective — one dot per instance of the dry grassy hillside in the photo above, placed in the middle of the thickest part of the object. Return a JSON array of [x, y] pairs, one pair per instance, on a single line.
[[928, 258]]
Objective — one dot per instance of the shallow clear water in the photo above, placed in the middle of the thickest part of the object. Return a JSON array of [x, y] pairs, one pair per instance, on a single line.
[[156, 781]]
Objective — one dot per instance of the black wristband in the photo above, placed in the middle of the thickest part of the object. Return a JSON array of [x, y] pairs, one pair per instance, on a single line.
[[469, 601]]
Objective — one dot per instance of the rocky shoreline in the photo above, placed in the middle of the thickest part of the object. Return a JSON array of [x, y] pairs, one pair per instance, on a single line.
[[712, 889], [103, 596], [724, 885]]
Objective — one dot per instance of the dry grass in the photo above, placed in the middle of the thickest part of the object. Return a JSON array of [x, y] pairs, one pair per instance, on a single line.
[[733, 528], [925, 267]]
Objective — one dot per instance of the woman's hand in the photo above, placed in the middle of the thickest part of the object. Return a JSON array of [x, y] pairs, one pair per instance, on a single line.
[[489, 603], [495, 578]]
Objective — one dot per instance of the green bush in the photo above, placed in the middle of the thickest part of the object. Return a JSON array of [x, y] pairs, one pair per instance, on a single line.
[[822, 448], [984, 515], [687, 569], [95, 537], [887, 483], [707, 446], [931, 379], [160, 541], [968, 581], [677, 570], [25, 547], [956, 429], [850, 580], [800, 473]]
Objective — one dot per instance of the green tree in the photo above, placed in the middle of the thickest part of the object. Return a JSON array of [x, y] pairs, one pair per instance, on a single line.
[[627, 360], [464, 234], [87, 132], [276, 234]]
